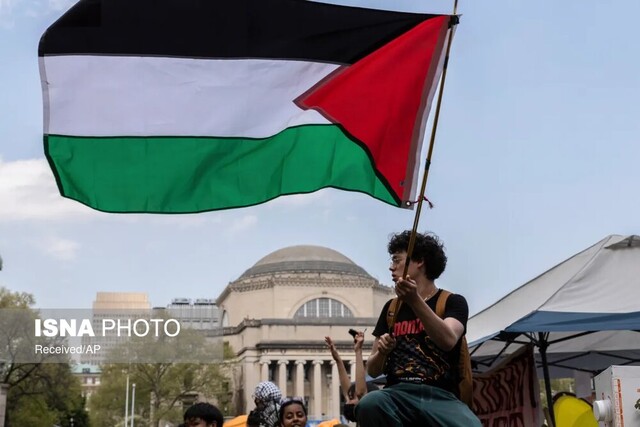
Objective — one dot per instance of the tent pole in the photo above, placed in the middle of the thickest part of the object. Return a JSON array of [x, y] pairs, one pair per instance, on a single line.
[[542, 346]]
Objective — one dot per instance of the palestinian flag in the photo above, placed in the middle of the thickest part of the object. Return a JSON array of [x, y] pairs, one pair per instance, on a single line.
[[181, 106]]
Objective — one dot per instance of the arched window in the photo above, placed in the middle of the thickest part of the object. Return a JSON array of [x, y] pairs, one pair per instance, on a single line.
[[323, 307]]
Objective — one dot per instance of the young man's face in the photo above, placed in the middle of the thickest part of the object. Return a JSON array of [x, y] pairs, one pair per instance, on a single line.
[[396, 266]]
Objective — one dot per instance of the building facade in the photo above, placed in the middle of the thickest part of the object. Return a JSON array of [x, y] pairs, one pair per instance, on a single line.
[[275, 317], [200, 314], [89, 377], [112, 305]]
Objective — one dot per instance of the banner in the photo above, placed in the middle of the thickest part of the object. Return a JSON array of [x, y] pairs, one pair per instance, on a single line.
[[508, 394]]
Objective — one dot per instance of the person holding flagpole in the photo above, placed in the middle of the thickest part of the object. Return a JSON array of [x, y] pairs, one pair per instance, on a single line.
[[420, 354]]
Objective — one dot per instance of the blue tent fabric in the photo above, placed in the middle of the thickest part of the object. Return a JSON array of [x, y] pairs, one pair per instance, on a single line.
[[583, 313], [597, 289], [557, 322]]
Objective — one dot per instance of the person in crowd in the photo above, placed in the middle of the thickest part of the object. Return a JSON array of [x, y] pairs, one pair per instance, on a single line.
[[420, 355], [267, 398], [352, 392], [203, 414], [293, 413], [253, 419]]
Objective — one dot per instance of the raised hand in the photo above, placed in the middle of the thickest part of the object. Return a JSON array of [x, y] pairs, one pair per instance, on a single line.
[[358, 340], [332, 348]]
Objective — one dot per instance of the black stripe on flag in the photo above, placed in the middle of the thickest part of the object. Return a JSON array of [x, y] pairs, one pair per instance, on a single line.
[[275, 29]]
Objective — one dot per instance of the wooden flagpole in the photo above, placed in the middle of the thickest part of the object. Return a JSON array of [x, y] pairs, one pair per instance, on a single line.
[[432, 139]]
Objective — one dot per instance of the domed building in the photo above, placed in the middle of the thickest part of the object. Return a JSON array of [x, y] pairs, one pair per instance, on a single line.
[[277, 313]]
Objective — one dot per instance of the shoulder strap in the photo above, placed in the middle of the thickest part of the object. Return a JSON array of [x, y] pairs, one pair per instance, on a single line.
[[465, 386], [391, 312], [442, 302]]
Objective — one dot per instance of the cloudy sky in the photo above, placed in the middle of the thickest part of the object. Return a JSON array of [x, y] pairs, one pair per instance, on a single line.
[[537, 157]]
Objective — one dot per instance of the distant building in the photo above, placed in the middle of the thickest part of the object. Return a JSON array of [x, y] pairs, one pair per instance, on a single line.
[[199, 314], [89, 376], [275, 317], [106, 301], [112, 305]]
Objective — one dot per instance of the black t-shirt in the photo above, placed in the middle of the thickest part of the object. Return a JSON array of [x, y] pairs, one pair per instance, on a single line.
[[416, 358]]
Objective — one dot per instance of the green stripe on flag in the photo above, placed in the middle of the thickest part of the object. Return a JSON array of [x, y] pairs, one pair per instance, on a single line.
[[195, 174]]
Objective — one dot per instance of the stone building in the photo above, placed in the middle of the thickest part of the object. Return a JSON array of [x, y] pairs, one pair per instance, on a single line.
[[275, 317], [109, 305], [89, 377], [200, 314]]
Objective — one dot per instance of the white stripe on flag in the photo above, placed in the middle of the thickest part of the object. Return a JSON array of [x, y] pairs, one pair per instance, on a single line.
[[154, 96]]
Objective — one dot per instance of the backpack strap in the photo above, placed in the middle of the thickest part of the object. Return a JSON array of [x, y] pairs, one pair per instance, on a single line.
[[465, 373], [391, 312], [442, 302]]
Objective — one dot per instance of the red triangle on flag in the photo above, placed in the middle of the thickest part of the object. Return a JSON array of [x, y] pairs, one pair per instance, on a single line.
[[383, 99]]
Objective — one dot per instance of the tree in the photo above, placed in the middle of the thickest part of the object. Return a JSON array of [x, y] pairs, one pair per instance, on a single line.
[[10, 299], [51, 395], [42, 391], [162, 387]]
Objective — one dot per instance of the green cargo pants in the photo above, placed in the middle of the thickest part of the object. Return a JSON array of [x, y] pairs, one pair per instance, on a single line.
[[413, 405]]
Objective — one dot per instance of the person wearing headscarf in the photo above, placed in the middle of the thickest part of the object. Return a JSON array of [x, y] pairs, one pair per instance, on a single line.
[[267, 398]]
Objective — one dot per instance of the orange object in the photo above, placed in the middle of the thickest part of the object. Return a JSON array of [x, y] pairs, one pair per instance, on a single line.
[[329, 423], [239, 421]]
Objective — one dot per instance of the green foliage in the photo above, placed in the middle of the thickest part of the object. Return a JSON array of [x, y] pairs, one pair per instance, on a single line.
[[106, 405], [51, 392], [165, 382], [557, 385], [10, 299], [161, 390], [32, 411], [40, 394]]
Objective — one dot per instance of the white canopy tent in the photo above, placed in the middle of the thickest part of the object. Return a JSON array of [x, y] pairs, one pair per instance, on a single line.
[[582, 314]]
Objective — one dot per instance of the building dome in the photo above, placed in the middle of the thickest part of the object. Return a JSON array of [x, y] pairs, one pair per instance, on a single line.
[[305, 259]]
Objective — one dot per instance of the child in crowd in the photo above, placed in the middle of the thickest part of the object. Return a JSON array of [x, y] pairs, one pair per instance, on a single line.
[[293, 413], [203, 415]]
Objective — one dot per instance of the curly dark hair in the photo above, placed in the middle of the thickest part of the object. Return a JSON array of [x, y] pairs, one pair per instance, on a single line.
[[428, 248], [206, 412]]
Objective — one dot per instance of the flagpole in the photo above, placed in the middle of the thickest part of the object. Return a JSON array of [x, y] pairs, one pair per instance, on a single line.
[[133, 402], [432, 139], [126, 404]]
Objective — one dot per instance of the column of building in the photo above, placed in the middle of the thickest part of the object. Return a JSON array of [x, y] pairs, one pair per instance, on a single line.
[[316, 397], [299, 387], [324, 394], [264, 369], [282, 376], [253, 375], [335, 390]]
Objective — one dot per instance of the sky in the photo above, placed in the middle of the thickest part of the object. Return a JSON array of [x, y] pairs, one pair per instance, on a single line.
[[536, 158]]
